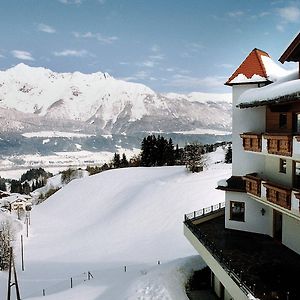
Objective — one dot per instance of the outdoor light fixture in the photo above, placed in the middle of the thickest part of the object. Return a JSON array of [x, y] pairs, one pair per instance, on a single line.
[[263, 211]]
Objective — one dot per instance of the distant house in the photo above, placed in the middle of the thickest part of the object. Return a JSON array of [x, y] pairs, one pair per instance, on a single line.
[[20, 202], [251, 243]]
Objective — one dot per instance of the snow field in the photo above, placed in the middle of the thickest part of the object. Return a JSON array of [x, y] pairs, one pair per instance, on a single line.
[[120, 217]]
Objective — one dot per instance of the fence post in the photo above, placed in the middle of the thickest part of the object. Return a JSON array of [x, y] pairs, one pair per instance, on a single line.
[[158, 262], [90, 275], [125, 269], [44, 293], [71, 282]]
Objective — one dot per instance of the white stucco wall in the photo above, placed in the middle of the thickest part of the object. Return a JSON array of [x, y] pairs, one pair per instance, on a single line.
[[217, 286], [291, 233], [245, 120], [272, 170], [254, 220]]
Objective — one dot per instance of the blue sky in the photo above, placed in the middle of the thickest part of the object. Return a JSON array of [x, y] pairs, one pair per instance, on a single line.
[[169, 45]]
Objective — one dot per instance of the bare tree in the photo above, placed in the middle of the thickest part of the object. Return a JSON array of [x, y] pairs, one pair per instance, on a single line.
[[7, 235]]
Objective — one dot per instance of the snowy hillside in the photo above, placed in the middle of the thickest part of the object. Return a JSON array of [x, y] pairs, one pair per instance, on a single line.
[[106, 104], [125, 217]]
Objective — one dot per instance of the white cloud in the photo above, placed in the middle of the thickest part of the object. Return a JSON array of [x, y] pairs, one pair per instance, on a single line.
[[148, 64], [70, 1], [227, 66], [157, 57], [184, 81], [71, 52], [280, 27], [155, 48], [236, 14], [23, 55], [98, 36], [290, 14], [102, 1], [46, 28]]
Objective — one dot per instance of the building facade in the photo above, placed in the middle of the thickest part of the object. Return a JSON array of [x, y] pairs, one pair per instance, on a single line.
[[252, 242]]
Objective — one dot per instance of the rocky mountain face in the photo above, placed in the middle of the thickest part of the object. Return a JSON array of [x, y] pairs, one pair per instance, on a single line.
[[33, 99]]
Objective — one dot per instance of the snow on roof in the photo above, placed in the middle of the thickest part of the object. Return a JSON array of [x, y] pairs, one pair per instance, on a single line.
[[285, 87], [257, 67]]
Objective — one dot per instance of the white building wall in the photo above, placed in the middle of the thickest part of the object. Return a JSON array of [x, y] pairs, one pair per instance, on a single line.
[[217, 286], [254, 220], [245, 120], [272, 170], [291, 233]]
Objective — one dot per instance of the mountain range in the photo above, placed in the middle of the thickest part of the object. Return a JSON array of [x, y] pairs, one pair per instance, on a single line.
[[35, 98]]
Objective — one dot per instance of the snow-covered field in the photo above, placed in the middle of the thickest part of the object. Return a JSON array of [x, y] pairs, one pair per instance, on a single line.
[[125, 217], [58, 162]]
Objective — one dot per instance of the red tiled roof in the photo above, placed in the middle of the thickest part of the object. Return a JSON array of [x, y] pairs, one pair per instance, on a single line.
[[252, 65]]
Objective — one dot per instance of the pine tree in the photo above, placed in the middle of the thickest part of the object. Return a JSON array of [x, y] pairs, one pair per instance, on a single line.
[[194, 157], [124, 162], [228, 155], [116, 161]]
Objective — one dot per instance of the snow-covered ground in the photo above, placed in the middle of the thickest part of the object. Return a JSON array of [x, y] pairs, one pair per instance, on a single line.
[[60, 161], [125, 217]]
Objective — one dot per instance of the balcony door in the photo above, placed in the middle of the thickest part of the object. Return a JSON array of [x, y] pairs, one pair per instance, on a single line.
[[296, 175], [296, 123], [277, 225]]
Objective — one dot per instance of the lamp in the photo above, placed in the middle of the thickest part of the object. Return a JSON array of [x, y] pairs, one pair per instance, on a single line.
[[263, 211]]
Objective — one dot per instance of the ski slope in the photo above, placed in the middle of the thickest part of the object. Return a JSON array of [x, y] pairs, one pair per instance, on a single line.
[[125, 217]]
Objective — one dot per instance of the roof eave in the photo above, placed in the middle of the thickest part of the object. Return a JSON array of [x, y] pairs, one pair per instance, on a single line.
[[287, 53], [244, 83], [282, 99]]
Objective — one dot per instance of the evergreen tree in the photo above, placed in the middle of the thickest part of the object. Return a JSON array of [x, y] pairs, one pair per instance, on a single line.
[[228, 155], [116, 161], [124, 162], [194, 157], [157, 151]]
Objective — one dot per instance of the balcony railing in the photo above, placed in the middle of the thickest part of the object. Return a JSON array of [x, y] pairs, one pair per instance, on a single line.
[[279, 144], [269, 192], [210, 210], [251, 141], [278, 194], [236, 275], [253, 184]]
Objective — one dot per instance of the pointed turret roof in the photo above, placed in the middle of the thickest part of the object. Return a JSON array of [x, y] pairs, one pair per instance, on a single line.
[[251, 70]]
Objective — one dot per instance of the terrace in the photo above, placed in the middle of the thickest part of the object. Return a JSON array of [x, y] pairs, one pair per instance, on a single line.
[[257, 263]]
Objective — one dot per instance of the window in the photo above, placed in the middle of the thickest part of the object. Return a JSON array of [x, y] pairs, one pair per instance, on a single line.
[[237, 211], [282, 165], [296, 174], [297, 122], [282, 120]]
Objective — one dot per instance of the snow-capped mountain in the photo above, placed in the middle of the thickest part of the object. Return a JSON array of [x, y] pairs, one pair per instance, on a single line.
[[33, 97]]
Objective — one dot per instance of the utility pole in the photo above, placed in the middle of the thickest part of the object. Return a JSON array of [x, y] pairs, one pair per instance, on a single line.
[[10, 283], [22, 252]]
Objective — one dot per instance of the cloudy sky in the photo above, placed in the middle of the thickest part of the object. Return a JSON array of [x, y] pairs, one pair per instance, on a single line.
[[169, 45]]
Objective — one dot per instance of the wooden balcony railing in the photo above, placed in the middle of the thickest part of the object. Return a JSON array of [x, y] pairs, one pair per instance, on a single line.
[[279, 144], [253, 184], [278, 194], [251, 141]]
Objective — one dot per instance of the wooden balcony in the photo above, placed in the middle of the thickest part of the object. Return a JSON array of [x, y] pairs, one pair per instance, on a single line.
[[278, 194], [279, 144], [253, 184], [251, 141]]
